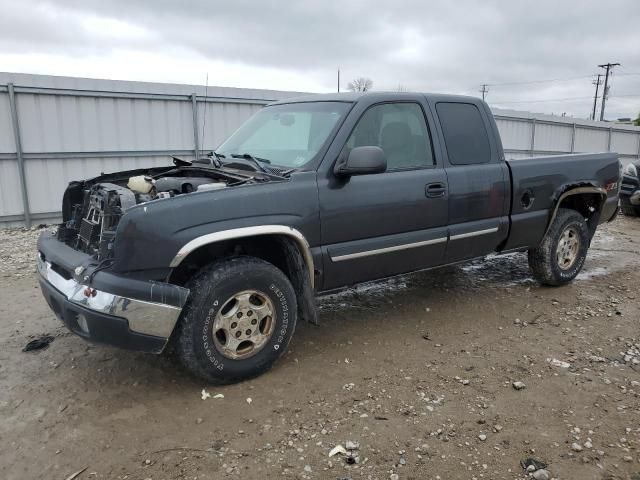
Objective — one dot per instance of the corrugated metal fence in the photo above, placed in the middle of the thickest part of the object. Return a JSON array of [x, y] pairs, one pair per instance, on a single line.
[[57, 129], [525, 134]]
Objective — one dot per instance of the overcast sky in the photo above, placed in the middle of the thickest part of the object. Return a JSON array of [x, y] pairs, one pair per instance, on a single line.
[[439, 46]]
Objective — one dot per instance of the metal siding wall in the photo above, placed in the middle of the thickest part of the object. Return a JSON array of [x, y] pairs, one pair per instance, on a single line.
[[74, 128], [515, 134], [221, 120], [7, 145], [10, 196], [591, 140], [51, 123], [553, 138], [624, 143]]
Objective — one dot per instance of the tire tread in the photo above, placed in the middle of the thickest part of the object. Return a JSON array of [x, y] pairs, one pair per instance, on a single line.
[[203, 282]]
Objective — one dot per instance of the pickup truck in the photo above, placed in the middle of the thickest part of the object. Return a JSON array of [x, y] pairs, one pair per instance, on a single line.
[[218, 258]]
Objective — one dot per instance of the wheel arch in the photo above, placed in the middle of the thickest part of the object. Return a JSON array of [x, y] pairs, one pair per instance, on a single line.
[[283, 246], [587, 199]]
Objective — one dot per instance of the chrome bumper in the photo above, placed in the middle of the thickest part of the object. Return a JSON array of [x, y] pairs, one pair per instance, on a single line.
[[148, 318]]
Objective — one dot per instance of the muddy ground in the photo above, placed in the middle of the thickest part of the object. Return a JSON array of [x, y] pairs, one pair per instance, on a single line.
[[418, 370]]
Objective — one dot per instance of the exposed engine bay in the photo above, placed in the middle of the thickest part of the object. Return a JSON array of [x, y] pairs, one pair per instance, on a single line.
[[92, 208]]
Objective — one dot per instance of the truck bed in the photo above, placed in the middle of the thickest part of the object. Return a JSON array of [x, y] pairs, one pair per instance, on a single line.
[[538, 182]]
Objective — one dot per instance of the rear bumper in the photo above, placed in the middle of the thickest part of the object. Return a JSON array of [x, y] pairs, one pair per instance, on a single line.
[[128, 315]]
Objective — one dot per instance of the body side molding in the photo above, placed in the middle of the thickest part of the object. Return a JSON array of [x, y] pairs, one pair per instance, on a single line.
[[395, 248]]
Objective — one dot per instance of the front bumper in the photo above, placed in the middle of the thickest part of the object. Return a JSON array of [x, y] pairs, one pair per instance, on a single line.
[[113, 317]]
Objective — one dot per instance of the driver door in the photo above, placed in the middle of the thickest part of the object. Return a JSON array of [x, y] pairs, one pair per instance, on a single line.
[[383, 224]]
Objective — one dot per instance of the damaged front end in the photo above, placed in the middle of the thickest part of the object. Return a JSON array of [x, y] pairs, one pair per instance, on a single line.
[[92, 209], [128, 307]]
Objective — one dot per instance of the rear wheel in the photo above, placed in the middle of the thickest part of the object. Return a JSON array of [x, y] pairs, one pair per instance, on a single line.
[[563, 250], [239, 320]]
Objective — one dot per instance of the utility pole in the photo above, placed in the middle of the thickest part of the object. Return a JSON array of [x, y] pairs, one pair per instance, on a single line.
[[605, 92], [597, 82], [484, 90], [338, 80]]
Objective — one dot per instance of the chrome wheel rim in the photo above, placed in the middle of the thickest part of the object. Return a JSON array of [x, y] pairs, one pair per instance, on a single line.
[[244, 324], [568, 248]]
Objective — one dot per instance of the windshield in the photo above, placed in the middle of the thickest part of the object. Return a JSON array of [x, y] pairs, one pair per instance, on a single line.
[[288, 135]]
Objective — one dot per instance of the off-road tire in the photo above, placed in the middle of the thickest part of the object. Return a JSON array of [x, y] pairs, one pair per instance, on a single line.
[[630, 210], [543, 260], [210, 288]]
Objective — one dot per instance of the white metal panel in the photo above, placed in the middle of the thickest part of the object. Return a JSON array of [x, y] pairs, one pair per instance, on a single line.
[[10, 194], [625, 143], [220, 120], [47, 179], [50, 123], [591, 140], [550, 138], [516, 135], [517, 155], [7, 145]]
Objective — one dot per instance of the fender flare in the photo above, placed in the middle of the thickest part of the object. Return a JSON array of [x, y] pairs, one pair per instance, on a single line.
[[245, 232], [579, 190]]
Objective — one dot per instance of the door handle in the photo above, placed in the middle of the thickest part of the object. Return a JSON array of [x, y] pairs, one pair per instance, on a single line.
[[435, 190]]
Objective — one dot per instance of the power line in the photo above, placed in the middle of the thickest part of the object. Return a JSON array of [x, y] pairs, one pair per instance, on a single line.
[[566, 79], [495, 102], [538, 81], [541, 101], [608, 68]]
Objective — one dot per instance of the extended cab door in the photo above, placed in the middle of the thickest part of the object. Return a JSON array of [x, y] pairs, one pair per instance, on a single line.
[[479, 183], [377, 225]]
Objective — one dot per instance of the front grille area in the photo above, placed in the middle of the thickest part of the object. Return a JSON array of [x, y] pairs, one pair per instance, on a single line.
[[93, 219], [89, 232]]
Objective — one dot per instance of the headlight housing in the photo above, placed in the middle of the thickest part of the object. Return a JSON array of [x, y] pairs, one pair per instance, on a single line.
[[631, 170]]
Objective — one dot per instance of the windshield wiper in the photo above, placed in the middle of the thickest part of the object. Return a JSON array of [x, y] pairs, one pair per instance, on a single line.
[[217, 162], [257, 160]]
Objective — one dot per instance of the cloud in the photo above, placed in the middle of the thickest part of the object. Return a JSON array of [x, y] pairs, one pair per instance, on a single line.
[[439, 46]]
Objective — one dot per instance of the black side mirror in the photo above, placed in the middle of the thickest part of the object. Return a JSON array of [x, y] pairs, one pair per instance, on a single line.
[[362, 161]]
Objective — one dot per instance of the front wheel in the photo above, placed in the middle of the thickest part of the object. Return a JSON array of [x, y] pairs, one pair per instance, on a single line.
[[239, 319], [561, 255]]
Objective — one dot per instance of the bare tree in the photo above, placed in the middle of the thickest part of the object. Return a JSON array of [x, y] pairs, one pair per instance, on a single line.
[[360, 84], [401, 88]]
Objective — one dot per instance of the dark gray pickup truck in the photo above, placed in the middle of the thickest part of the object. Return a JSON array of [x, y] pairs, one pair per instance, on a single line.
[[220, 257]]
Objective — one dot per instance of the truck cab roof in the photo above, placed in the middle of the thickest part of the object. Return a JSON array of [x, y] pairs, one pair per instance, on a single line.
[[353, 97]]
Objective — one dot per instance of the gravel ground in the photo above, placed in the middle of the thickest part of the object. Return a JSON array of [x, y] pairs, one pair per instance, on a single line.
[[18, 252], [462, 372]]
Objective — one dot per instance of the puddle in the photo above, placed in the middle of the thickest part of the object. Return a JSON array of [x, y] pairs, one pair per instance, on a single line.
[[493, 271], [589, 273]]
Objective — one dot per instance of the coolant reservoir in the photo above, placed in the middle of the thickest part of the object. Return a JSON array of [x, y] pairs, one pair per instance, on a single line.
[[140, 184], [211, 186]]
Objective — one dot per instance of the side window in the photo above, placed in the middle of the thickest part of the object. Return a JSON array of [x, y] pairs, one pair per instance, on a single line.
[[465, 134], [400, 130]]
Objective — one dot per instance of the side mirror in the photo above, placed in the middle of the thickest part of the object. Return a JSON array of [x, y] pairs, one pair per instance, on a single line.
[[362, 161]]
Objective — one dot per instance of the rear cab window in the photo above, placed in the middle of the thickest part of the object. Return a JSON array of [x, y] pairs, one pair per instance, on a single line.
[[465, 134]]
